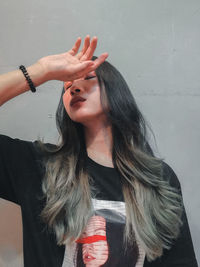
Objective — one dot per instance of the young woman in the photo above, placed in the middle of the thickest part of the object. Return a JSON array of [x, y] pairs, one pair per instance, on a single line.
[[103, 155]]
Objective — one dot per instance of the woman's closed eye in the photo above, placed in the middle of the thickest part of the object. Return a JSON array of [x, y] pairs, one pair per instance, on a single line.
[[90, 77]]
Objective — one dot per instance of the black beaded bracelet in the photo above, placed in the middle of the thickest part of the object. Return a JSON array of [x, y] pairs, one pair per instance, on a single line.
[[26, 75]]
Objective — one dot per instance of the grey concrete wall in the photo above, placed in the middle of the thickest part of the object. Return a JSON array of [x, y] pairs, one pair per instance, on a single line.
[[156, 46]]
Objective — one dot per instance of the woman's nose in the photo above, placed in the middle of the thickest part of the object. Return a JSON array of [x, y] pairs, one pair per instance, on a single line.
[[75, 91], [89, 246], [76, 87]]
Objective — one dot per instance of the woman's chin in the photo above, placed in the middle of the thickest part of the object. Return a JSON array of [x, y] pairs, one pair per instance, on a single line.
[[81, 119], [88, 118], [84, 118]]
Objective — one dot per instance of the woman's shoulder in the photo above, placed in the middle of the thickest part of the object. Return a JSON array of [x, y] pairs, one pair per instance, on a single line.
[[17, 146], [10, 143], [8, 140]]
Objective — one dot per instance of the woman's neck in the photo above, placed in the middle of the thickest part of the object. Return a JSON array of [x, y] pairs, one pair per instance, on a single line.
[[99, 143]]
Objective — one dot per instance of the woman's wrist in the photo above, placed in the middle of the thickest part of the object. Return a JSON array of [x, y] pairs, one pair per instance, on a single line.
[[37, 73]]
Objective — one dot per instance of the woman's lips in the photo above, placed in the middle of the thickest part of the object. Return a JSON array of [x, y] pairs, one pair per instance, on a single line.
[[77, 103], [77, 99], [88, 258]]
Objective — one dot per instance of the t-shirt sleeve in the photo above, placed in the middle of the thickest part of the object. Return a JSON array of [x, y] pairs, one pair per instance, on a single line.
[[15, 159], [182, 252]]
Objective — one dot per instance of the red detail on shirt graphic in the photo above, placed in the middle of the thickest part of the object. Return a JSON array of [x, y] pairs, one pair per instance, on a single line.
[[91, 239]]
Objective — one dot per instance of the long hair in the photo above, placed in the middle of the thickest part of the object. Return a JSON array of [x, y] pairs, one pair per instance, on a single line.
[[153, 207]]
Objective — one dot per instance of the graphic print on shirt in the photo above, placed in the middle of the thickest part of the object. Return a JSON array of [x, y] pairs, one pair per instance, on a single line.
[[101, 243]]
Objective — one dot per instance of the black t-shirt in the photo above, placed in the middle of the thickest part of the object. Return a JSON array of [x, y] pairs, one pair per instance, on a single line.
[[21, 175]]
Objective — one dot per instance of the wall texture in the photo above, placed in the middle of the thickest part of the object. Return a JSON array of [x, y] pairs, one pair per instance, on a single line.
[[156, 46]]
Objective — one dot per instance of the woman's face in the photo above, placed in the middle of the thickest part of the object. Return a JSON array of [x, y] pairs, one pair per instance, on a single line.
[[82, 99], [95, 246]]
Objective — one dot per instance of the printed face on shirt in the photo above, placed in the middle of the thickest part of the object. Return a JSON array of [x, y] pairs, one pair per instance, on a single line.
[[89, 107], [95, 247]]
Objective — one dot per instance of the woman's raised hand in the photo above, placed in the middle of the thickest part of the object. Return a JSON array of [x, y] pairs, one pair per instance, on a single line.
[[72, 65], [68, 66]]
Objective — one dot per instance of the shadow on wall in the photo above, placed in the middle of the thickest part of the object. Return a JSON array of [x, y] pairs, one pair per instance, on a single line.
[[11, 246]]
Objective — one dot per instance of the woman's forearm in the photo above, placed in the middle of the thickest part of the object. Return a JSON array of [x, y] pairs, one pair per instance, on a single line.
[[14, 83]]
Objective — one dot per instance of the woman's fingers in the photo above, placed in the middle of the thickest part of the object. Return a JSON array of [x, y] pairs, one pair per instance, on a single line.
[[76, 47], [85, 47], [97, 62], [90, 50], [78, 71], [85, 67]]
